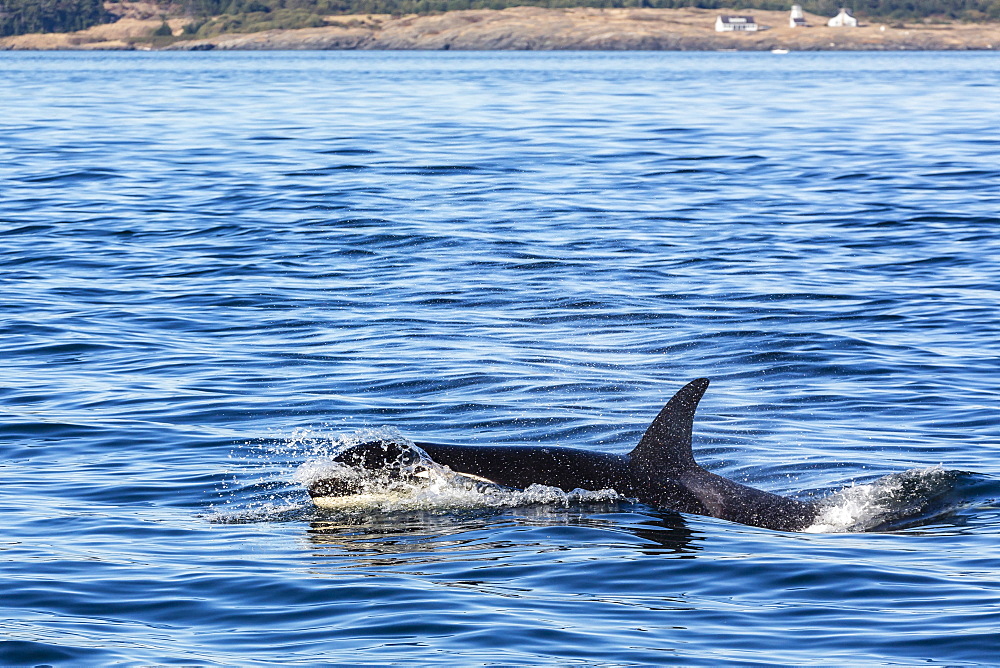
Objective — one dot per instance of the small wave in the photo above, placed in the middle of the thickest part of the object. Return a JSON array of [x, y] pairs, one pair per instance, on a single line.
[[74, 176], [910, 498]]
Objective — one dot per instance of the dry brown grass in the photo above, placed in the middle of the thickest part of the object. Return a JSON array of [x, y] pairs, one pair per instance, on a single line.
[[538, 29]]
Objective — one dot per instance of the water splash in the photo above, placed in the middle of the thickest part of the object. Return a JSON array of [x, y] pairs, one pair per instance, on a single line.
[[262, 484], [415, 482], [909, 498]]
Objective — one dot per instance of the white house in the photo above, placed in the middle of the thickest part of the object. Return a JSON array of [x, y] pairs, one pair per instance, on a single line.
[[735, 24], [797, 19], [843, 19]]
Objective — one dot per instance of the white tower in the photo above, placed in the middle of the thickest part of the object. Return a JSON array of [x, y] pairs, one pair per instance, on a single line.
[[796, 19]]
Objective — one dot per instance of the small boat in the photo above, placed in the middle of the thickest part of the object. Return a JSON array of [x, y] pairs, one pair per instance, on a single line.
[[779, 50]]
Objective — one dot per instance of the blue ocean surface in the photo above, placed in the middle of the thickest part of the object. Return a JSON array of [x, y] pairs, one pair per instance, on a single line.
[[217, 269]]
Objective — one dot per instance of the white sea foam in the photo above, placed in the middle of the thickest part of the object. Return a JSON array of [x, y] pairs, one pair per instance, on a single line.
[[895, 497]]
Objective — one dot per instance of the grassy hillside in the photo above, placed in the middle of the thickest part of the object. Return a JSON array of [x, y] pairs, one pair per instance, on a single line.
[[972, 10], [213, 17]]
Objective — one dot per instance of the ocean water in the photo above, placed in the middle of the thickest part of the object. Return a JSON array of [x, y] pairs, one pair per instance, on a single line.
[[218, 268]]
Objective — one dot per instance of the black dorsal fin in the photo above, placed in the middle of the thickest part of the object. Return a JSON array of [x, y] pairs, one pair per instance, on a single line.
[[667, 441]]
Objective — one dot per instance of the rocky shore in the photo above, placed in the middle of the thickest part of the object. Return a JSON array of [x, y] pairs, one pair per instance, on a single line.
[[538, 29]]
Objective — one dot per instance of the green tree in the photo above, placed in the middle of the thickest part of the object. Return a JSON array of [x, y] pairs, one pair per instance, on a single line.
[[18, 17]]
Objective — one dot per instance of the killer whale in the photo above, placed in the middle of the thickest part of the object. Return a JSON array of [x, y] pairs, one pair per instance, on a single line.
[[660, 471]]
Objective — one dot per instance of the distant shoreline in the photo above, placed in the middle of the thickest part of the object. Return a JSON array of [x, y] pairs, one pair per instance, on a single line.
[[537, 29]]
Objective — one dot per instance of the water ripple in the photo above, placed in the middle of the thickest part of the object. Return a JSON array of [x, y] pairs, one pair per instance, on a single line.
[[217, 265]]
